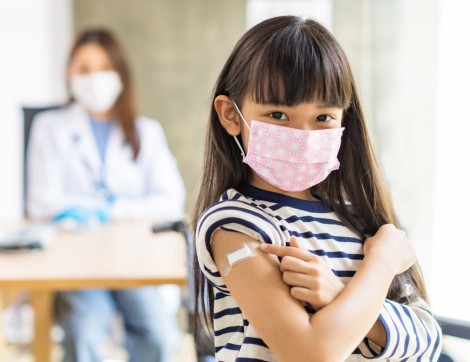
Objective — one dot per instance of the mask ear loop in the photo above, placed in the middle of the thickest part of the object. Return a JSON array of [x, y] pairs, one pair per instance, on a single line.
[[235, 137]]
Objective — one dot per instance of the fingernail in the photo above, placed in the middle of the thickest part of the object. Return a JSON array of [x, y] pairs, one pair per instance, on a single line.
[[263, 246]]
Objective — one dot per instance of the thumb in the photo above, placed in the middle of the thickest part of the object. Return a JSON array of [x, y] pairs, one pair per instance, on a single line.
[[295, 243]]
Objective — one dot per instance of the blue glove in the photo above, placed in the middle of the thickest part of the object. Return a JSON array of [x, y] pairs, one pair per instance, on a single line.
[[110, 199], [82, 215]]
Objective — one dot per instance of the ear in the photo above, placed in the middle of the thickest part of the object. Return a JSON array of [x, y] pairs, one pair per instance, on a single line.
[[228, 115]]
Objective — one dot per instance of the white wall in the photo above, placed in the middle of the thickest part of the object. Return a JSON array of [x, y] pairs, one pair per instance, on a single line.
[[392, 47], [452, 178], [34, 38], [405, 116], [411, 61], [259, 10]]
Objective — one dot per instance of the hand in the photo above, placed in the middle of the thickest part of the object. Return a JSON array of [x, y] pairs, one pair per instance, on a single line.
[[392, 245], [310, 278], [83, 215]]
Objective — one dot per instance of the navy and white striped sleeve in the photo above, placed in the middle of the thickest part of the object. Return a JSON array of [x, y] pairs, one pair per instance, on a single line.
[[412, 332], [232, 215]]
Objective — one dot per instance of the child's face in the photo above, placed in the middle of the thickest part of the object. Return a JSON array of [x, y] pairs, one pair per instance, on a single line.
[[309, 116], [305, 116]]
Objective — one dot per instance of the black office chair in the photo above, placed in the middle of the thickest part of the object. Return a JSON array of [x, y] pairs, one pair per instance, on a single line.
[[29, 114], [455, 328]]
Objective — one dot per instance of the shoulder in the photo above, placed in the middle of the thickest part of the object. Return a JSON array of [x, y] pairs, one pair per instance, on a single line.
[[152, 137], [235, 212], [151, 133], [147, 125], [232, 203], [52, 121], [67, 115], [51, 116]]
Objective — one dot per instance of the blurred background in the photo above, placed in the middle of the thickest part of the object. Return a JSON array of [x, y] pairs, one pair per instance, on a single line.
[[410, 59]]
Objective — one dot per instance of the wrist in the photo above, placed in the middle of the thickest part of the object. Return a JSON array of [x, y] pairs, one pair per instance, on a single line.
[[380, 263]]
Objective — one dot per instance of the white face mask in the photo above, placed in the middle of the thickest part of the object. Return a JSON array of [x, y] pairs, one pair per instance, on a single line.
[[96, 91]]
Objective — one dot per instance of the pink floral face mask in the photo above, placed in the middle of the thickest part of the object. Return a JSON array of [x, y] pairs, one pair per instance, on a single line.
[[291, 159]]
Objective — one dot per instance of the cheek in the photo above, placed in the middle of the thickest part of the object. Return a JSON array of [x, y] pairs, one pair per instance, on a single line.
[[72, 71], [340, 119], [245, 137]]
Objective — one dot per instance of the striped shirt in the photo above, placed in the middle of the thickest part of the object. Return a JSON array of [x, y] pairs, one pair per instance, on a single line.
[[412, 332]]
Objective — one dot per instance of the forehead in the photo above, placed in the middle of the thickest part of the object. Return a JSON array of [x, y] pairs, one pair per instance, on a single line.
[[92, 55]]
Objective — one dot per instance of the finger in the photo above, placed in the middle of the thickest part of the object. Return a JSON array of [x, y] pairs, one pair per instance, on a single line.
[[289, 263], [299, 280], [282, 251], [303, 294], [294, 242]]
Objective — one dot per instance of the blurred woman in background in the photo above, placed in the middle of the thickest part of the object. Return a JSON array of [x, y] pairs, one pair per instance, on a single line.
[[97, 160]]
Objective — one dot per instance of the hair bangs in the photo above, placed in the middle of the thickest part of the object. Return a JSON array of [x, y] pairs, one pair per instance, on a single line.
[[296, 65]]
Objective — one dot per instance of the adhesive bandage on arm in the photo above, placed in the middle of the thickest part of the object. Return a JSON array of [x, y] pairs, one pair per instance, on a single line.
[[237, 256]]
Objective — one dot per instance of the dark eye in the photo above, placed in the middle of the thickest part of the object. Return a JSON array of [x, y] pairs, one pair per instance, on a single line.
[[278, 115], [324, 118]]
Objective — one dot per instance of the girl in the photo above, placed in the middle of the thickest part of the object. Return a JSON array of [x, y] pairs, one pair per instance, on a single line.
[[98, 159], [286, 100]]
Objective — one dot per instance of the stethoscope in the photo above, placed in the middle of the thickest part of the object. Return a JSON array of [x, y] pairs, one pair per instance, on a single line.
[[99, 181]]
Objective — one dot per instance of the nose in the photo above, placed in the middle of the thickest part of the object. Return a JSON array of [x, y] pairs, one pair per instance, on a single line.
[[304, 125]]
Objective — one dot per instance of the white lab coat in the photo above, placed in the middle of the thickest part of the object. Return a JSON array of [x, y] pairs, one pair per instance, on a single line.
[[64, 166]]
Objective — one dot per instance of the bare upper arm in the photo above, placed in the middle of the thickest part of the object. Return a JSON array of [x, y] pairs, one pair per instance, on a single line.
[[265, 300]]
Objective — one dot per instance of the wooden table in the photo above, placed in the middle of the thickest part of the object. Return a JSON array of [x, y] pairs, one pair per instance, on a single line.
[[116, 256]]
